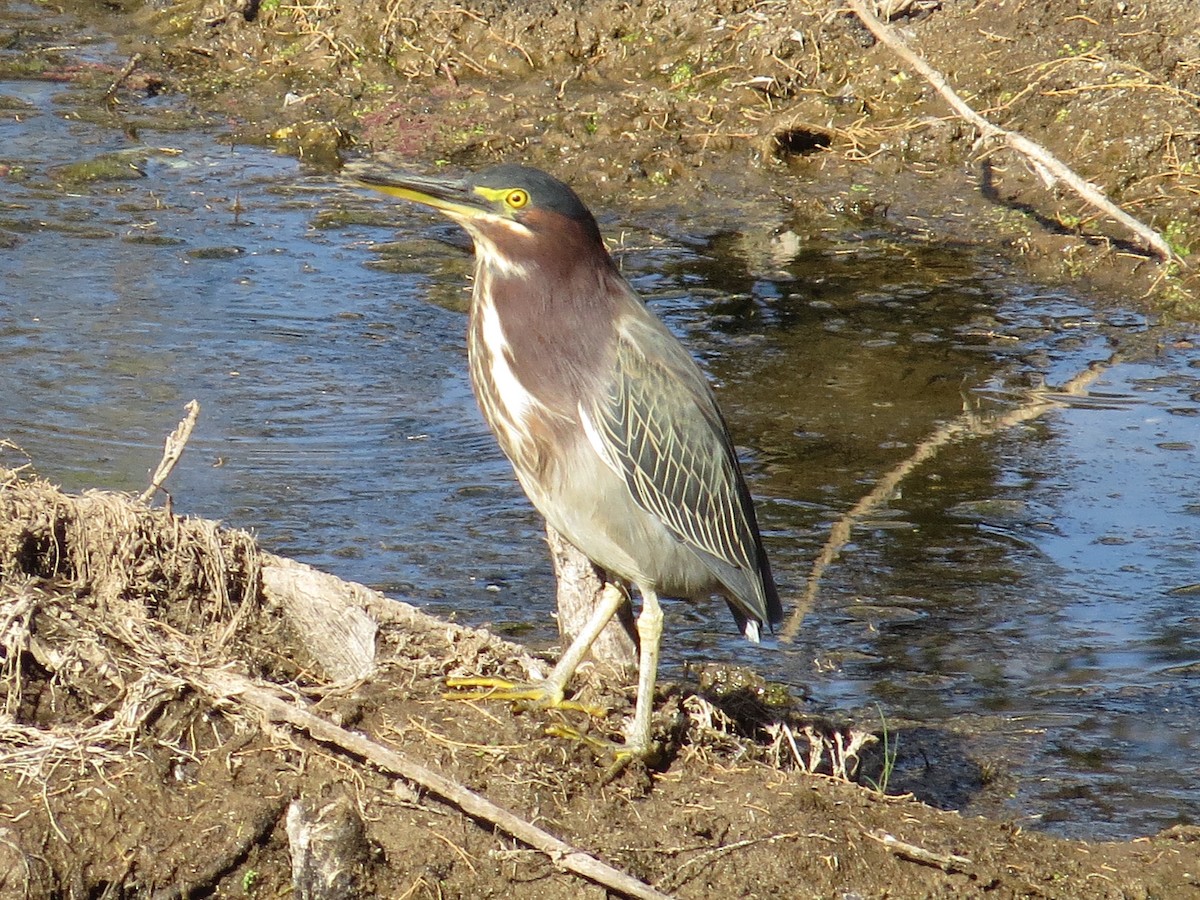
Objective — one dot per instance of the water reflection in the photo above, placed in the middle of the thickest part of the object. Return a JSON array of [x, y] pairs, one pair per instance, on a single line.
[[1021, 588]]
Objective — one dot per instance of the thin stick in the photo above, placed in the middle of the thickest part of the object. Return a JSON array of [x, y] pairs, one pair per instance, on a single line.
[[225, 685], [110, 95], [1047, 165], [968, 424], [947, 862], [172, 450]]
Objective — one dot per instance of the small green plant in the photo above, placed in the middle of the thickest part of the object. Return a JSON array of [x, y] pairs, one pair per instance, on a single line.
[[1176, 234], [1069, 221], [682, 72], [891, 750], [250, 881]]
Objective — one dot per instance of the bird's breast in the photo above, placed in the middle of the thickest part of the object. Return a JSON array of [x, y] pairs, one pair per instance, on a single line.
[[539, 346], [522, 421]]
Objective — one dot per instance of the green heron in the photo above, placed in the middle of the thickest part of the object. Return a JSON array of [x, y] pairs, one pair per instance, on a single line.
[[612, 428]]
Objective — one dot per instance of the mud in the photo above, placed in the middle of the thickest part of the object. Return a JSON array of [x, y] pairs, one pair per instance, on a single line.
[[717, 114], [732, 113], [126, 774]]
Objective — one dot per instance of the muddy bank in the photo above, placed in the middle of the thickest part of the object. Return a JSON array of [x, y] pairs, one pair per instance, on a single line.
[[171, 730], [741, 115]]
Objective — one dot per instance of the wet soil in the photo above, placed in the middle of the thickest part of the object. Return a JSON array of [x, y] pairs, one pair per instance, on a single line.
[[736, 114], [720, 115], [125, 774]]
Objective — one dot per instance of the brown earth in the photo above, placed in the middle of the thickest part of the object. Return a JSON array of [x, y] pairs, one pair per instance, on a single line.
[[121, 778], [737, 114], [130, 768]]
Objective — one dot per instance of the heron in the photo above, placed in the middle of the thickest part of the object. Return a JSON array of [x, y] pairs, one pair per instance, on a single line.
[[611, 427]]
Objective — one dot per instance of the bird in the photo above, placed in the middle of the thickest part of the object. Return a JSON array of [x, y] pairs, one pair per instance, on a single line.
[[611, 427]]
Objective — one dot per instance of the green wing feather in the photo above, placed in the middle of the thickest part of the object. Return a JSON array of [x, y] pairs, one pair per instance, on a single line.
[[662, 430]]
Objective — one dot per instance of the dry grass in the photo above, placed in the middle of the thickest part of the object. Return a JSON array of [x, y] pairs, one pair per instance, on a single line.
[[99, 596]]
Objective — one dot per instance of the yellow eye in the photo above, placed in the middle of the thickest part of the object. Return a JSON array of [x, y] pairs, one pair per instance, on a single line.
[[517, 198]]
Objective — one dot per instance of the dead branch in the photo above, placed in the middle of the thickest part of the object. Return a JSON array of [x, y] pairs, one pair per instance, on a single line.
[[947, 862], [110, 96], [176, 442], [968, 424], [1045, 163], [225, 685]]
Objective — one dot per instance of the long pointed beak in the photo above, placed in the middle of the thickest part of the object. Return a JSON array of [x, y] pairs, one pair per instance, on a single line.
[[451, 196]]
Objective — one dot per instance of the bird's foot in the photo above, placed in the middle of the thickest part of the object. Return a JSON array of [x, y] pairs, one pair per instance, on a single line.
[[567, 732], [540, 695], [622, 755], [650, 754]]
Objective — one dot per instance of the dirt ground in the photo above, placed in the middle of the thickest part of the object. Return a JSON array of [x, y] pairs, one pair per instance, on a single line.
[[727, 113], [122, 776], [136, 761]]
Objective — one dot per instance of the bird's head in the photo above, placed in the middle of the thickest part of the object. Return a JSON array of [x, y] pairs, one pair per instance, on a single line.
[[516, 214]]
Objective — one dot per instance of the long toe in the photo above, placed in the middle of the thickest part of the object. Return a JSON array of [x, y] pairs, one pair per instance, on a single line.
[[537, 694]]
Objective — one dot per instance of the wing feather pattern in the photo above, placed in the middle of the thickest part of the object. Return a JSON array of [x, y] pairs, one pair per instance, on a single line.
[[659, 424]]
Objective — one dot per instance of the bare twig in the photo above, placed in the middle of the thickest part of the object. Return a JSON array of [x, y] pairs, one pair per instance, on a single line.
[[110, 95], [1047, 165], [173, 449], [226, 685], [968, 424], [947, 862]]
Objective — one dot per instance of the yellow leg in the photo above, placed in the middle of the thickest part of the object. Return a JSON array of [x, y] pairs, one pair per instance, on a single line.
[[549, 693], [637, 732], [649, 626]]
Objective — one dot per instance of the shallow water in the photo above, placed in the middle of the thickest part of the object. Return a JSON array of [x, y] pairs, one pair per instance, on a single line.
[[1026, 595]]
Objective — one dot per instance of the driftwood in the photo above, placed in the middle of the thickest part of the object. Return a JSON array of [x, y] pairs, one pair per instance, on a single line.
[[1045, 163], [330, 616], [337, 620]]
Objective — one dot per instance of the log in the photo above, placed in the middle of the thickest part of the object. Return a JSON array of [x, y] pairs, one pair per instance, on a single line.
[[330, 616], [580, 584], [338, 620]]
